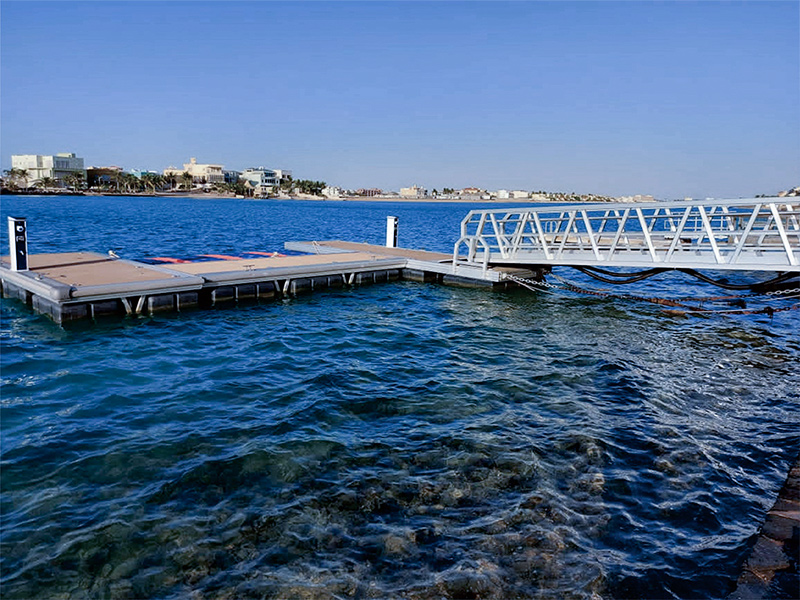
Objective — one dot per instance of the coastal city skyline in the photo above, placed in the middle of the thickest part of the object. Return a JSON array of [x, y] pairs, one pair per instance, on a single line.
[[674, 100], [67, 172]]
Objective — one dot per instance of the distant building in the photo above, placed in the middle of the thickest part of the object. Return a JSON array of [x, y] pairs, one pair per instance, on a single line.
[[795, 191], [56, 166], [102, 176], [415, 191], [283, 175], [231, 176], [519, 194], [201, 173], [471, 193], [138, 172], [264, 181], [333, 192], [503, 194], [636, 198], [368, 192]]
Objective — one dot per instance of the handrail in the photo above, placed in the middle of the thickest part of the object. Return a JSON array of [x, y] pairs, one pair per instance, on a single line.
[[743, 233]]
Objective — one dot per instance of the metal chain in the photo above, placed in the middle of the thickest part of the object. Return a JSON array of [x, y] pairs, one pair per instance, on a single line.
[[606, 294], [532, 282], [790, 292], [570, 286], [781, 292]]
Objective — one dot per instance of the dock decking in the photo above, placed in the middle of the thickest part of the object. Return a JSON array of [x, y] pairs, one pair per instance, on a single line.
[[86, 285]]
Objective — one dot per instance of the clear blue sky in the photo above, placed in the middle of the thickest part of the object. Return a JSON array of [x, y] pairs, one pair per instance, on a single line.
[[669, 98]]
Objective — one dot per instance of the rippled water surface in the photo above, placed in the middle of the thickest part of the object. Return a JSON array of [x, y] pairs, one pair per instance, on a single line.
[[396, 440]]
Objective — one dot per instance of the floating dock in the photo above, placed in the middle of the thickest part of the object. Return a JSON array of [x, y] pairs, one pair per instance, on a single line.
[[87, 285], [497, 248]]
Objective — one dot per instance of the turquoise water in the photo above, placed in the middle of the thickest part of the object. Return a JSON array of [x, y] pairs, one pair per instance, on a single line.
[[396, 440]]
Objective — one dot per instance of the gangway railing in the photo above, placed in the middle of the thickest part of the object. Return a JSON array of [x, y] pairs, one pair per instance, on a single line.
[[752, 234]]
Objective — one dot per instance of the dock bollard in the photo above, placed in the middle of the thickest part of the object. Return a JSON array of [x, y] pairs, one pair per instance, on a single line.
[[18, 243], [391, 232]]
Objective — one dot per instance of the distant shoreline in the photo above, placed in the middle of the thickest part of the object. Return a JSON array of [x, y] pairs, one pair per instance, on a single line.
[[217, 196]]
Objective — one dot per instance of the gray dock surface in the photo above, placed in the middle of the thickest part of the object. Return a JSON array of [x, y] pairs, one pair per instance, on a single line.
[[78, 285]]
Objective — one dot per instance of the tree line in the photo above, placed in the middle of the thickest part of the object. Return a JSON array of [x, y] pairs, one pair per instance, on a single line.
[[126, 183], [304, 186]]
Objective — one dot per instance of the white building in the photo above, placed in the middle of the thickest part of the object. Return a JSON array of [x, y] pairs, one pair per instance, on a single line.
[[636, 198], [415, 191], [503, 194], [333, 192], [201, 173], [263, 180], [56, 166], [283, 174], [519, 194], [472, 193]]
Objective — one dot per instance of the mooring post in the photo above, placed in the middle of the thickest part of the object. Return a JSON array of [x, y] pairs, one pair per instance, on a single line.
[[391, 232], [18, 243]]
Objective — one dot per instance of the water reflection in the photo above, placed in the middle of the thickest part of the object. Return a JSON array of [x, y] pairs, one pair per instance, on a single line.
[[400, 440]]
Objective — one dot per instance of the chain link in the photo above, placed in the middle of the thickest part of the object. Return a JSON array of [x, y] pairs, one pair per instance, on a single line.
[[781, 292], [569, 286]]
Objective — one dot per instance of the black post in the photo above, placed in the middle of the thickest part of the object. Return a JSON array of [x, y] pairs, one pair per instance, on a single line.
[[18, 243]]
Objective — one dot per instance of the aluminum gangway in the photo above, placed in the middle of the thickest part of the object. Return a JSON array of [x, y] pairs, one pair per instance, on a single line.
[[757, 234]]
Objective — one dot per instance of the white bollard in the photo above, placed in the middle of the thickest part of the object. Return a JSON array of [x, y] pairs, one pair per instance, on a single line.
[[18, 243], [391, 232]]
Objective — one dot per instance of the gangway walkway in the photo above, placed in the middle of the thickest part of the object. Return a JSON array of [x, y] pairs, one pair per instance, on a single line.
[[760, 234]]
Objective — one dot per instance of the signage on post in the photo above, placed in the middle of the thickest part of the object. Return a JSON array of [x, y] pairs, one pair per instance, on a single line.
[[18, 243], [391, 232]]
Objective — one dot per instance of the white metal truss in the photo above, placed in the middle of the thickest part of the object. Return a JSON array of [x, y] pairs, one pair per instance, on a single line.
[[753, 234]]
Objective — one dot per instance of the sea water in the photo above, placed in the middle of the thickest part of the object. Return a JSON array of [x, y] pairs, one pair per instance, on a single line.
[[398, 440]]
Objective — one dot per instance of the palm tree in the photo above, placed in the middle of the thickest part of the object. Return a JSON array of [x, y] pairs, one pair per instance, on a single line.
[[132, 183], [170, 180], [8, 180], [46, 183], [75, 180], [242, 188], [152, 181], [187, 180], [306, 186], [117, 179], [16, 176], [220, 187]]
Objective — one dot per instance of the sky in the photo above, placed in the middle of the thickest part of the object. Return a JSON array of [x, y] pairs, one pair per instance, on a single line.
[[672, 99]]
